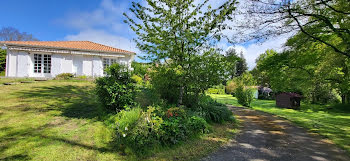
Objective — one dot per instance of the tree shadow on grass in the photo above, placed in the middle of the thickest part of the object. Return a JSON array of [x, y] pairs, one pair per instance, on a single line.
[[73, 101]]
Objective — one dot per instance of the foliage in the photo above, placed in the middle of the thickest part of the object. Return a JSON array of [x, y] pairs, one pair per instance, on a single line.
[[137, 79], [243, 92], [181, 33], [139, 130], [244, 95], [219, 89], [231, 62], [148, 97], [318, 21], [2, 60], [140, 69], [164, 81], [116, 90], [176, 112], [64, 76], [241, 66], [213, 111], [230, 87]]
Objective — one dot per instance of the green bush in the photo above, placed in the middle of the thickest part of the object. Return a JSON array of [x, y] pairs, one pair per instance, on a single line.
[[244, 95], [219, 89], [230, 87], [165, 82], [116, 90], [137, 130], [64, 76], [213, 111], [137, 79]]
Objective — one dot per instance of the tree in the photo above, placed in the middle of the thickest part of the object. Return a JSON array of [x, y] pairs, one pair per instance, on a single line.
[[241, 65], [317, 20], [13, 34], [231, 62], [182, 31], [2, 60]]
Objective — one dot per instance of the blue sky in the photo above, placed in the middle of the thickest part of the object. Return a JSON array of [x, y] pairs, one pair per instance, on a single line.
[[100, 21]]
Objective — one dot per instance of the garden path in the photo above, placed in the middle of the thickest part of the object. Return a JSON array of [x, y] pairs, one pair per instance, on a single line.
[[267, 137]]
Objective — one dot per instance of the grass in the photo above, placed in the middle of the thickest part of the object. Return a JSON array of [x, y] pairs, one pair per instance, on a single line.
[[61, 120], [333, 124]]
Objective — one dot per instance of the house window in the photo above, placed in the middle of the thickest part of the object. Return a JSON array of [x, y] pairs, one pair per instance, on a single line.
[[47, 63], [37, 63], [42, 61], [108, 62]]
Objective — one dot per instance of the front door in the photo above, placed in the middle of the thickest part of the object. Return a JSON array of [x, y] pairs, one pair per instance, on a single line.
[[78, 64], [42, 65]]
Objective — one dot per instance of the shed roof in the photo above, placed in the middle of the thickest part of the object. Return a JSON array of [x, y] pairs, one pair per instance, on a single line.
[[292, 94]]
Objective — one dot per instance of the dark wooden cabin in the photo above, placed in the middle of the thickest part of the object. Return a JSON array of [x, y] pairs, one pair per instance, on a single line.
[[288, 100]]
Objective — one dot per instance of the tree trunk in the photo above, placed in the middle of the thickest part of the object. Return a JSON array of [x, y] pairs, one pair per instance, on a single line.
[[343, 99], [180, 100]]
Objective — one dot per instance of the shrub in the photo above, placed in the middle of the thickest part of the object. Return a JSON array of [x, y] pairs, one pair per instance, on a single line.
[[244, 95], [176, 112], [219, 89], [64, 76], [116, 90], [213, 111], [137, 79], [137, 130], [230, 87], [147, 97], [177, 129], [165, 82]]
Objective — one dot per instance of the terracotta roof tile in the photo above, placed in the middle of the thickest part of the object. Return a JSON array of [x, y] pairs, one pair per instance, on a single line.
[[80, 45]]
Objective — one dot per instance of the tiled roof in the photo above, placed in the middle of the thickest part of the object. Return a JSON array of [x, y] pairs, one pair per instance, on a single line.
[[78, 45]]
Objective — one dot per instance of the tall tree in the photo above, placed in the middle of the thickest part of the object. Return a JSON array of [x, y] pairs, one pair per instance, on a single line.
[[241, 65], [318, 20], [179, 30], [13, 34], [232, 59]]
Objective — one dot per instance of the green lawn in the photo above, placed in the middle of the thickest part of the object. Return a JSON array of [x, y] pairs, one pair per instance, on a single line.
[[61, 120], [333, 124]]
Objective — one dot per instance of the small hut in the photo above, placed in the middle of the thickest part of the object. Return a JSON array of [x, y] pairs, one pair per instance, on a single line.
[[288, 100]]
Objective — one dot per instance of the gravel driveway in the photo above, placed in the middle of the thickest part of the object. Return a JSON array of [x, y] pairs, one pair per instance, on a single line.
[[267, 137]]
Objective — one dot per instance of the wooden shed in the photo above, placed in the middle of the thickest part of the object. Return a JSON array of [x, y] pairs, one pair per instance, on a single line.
[[288, 100]]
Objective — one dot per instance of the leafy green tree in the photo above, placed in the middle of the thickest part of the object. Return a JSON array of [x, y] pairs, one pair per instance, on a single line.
[[241, 65], [182, 31], [318, 20], [232, 59], [2, 60]]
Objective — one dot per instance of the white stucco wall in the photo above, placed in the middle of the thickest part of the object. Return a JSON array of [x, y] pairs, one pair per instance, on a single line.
[[97, 67], [67, 63], [87, 65], [12, 66], [21, 64], [56, 64]]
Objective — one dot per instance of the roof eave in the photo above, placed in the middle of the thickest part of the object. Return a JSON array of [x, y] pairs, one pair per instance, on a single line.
[[62, 48]]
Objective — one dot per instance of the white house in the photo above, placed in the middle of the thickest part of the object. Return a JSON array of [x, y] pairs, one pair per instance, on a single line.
[[50, 58]]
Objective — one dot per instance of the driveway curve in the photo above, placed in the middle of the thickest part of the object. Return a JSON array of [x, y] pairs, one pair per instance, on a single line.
[[267, 137]]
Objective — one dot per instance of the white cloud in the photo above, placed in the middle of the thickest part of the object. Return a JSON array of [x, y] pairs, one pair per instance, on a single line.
[[251, 52]]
